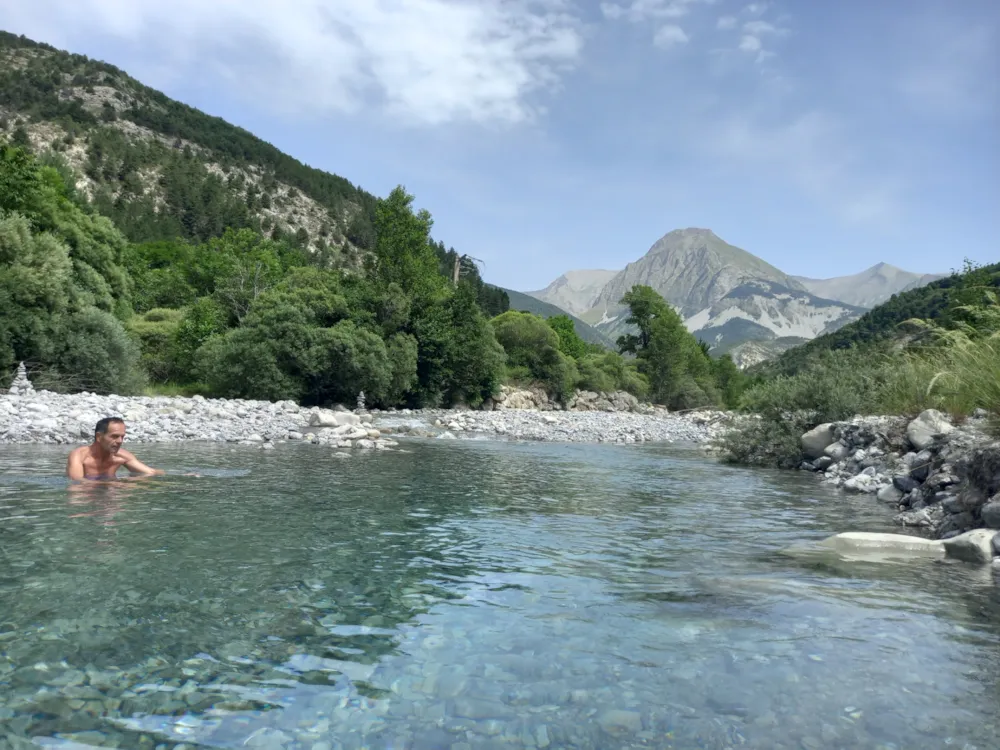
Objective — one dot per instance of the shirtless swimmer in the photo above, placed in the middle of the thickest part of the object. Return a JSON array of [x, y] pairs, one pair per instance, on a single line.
[[102, 458]]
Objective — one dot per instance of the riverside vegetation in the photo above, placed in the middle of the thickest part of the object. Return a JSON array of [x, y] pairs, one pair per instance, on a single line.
[[937, 347], [244, 315]]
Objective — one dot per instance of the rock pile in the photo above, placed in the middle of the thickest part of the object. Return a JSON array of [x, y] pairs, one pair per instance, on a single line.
[[21, 385], [537, 399], [566, 426], [942, 479]]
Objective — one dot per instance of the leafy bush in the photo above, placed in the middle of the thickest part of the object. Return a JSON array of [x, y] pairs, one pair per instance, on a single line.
[[531, 343], [155, 332], [98, 355]]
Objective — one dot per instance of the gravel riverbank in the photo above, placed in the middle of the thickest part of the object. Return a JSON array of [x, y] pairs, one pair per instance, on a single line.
[[29, 416]]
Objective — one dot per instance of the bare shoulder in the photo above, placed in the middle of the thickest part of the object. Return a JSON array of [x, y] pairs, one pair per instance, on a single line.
[[127, 455]]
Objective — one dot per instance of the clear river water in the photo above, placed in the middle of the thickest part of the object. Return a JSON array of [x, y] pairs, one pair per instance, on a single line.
[[467, 594]]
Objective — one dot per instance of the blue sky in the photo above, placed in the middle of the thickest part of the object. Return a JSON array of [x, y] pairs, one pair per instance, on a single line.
[[545, 135]]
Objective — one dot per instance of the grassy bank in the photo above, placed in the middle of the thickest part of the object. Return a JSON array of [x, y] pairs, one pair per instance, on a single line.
[[956, 371]]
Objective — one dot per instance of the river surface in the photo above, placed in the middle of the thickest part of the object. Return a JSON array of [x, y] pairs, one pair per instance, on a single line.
[[471, 594]]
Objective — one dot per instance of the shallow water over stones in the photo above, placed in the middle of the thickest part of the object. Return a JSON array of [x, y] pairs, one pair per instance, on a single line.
[[473, 595]]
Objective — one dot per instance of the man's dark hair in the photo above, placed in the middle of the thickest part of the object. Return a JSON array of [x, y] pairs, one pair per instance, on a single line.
[[102, 425]]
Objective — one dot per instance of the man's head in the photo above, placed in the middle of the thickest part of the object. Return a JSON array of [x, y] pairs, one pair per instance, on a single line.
[[109, 434]]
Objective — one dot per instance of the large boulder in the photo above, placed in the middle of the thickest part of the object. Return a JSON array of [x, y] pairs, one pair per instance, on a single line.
[[926, 428], [817, 439], [889, 544], [991, 513], [972, 546]]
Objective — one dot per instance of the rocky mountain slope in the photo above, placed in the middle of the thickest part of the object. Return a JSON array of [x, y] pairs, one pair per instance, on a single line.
[[731, 299], [869, 288], [159, 168], [692, 268], [575, 291]]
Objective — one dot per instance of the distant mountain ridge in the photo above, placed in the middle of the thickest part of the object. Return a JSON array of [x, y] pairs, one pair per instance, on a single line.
[[575, 291], [871, 287], [731, 299]]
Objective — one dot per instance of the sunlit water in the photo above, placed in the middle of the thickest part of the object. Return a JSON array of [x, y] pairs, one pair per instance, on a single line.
[[473, 595]]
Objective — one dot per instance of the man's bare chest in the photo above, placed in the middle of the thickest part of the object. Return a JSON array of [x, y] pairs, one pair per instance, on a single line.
[[92, 467]]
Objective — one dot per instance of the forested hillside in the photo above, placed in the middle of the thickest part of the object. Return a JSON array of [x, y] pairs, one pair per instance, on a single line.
[[161, 169], [934, 302], [146, 246], [936, 347]]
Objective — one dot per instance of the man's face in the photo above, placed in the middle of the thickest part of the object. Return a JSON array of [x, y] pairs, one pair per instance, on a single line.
[[112, 440]]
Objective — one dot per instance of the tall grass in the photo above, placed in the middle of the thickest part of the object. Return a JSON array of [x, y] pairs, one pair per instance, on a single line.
[[956, 375], [957, 378]]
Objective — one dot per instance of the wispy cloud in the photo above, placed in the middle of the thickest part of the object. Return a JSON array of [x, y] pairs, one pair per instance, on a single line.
[[752, 33], [421, 61], [816, 154], [639, 11], [669, 36]]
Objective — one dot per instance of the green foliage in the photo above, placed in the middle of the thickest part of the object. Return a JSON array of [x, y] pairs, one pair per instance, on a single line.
[[944, 302], [610, 371], [530, 343], [679, 371], [197, 204], [199, 322], [570, 342], [97, 354], [155, 332]]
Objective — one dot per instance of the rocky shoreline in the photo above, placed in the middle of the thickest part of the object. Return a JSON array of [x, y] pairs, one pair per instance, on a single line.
[[29, 416], [942, 479]]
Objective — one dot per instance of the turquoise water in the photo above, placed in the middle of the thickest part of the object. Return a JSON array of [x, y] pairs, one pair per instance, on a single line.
[[473, 595]]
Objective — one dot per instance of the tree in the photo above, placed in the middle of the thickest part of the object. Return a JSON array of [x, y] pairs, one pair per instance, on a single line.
[[570, 342], [532, 347], [679, 370]]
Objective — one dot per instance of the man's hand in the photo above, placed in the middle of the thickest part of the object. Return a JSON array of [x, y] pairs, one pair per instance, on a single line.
[[136, 466]]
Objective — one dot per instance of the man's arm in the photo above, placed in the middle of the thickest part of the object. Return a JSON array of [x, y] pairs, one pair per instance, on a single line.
[[74, 464], [136, 466]]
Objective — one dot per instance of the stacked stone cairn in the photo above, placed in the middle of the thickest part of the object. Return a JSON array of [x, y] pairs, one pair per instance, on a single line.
[[21, 385]]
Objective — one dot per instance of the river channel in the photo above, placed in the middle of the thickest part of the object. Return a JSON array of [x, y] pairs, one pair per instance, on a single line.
[[473, 594]]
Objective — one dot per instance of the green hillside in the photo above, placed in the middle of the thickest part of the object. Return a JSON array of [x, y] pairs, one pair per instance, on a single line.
[[930, 302], [526, 303], [161, 169]]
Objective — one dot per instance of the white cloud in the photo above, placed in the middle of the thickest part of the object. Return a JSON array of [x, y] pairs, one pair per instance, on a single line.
[[670, 35], [726, 22], [750, 43], [755, 9], [760, 28], [421, 61], [638, 11]]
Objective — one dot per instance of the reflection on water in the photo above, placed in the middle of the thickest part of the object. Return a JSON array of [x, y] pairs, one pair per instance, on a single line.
[[472, 595]]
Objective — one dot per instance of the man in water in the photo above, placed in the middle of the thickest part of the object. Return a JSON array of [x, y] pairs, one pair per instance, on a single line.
[[102, 458]]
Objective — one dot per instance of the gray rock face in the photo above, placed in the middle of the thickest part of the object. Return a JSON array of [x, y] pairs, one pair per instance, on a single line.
[[921, 466], [815, 442], [991, 514], [890, 494], [996, 545], [973, 546], [926, 428]]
